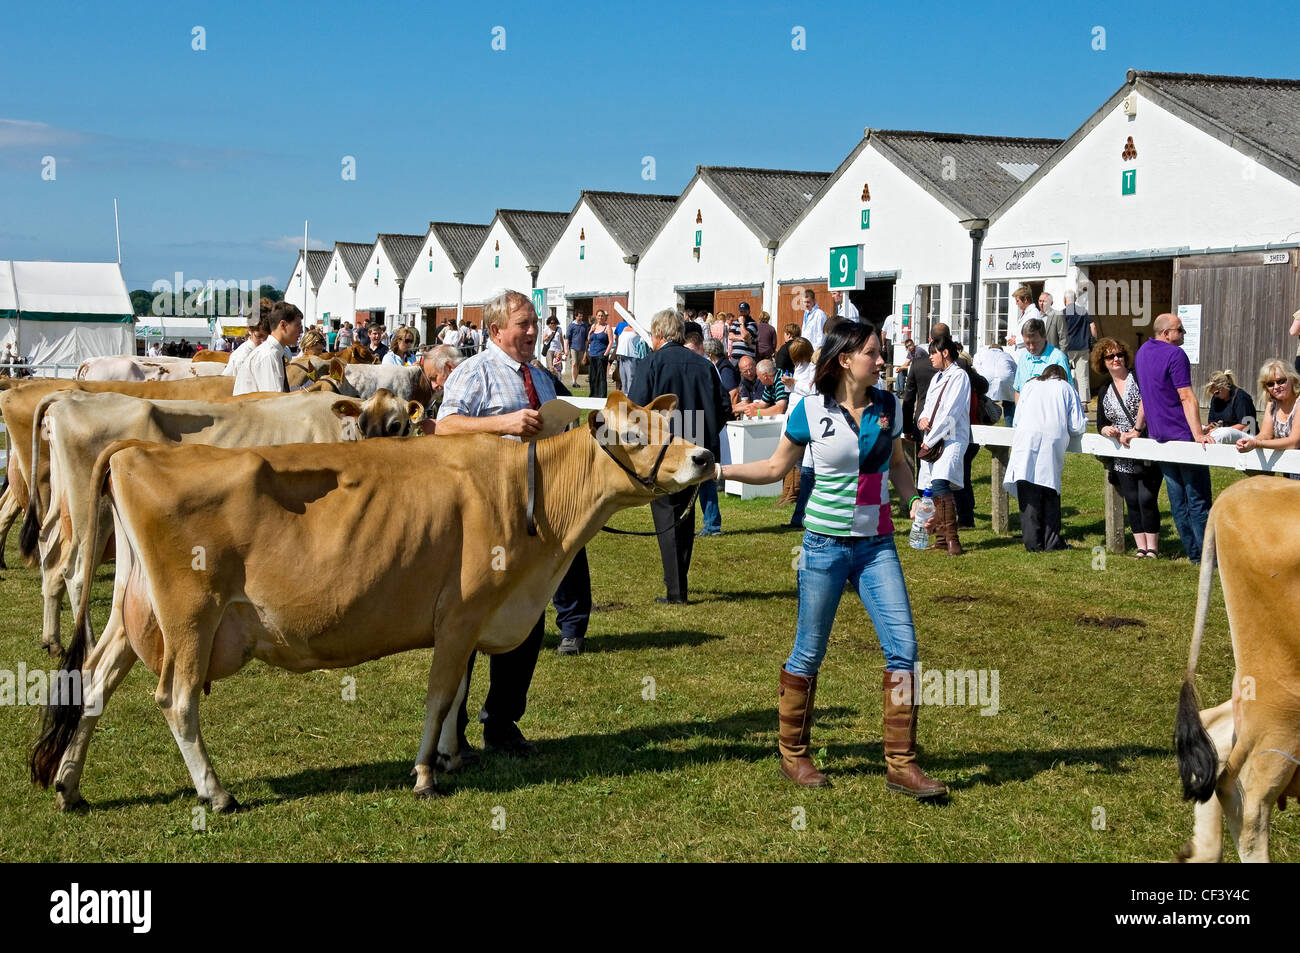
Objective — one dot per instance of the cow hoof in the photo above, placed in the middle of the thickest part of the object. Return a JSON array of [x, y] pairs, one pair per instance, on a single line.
[[223, 803], [53, 649], [71, 802], [447, 763], [429, 792]]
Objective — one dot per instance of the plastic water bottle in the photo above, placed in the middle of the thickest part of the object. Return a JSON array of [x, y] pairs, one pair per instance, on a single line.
[[919, 537]]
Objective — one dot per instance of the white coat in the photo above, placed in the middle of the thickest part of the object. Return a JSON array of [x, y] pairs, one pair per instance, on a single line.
[[1048, 414], [949, 422]]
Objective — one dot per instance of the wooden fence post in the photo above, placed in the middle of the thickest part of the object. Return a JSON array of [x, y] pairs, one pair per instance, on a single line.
[[998, 510], [1114, 515]]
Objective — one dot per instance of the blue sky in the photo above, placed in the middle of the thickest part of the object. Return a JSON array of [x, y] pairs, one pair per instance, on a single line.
[[217, 156]]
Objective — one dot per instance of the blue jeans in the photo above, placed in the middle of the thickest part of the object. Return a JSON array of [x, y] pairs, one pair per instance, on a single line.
[[1188, 485], [1009, 412], [806, 477], [871, 564], [709, 506], [940, 488]]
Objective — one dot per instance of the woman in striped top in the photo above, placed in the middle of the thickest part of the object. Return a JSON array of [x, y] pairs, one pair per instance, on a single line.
[[852, 428]]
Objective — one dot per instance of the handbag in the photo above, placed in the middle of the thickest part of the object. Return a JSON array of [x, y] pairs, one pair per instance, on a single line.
[[927, 452]]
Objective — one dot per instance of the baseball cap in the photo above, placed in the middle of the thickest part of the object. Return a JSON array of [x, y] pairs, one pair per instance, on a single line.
[[744, 306]]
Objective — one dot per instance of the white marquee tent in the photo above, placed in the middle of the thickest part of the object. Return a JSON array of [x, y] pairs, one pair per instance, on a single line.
[[65, 312]]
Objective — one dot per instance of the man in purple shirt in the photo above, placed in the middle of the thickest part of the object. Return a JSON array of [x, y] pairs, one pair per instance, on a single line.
[[1172, 413]]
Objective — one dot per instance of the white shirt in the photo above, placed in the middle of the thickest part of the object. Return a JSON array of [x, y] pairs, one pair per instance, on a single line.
[[1048, 414], [627, 342], [237, 359], [999, 368], [391, 358], [1019, 336], [814, 327], [848, 309], [264, 371], [949, 422]]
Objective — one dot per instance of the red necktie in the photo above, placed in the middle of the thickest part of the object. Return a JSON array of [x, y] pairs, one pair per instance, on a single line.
[[533, 400]]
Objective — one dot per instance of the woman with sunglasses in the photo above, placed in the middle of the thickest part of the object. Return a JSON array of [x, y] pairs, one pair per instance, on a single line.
[[1278, 387], [1119, 412], [853, 429]]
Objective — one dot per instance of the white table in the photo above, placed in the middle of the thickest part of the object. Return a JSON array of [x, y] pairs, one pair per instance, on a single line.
[[750, 440]]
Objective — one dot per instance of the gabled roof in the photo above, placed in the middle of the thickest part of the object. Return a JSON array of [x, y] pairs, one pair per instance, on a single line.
[[402, 250], [461, 241], [1251, 114], [631, 217], [354, 256], [766, 200], [984, 169], [1258, 117], [318, 263], [533, 232]]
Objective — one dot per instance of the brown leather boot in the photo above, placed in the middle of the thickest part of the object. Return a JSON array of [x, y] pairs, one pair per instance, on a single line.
[[940, 543], [902, 773], [945, 511], [796, 714], [789, 489]]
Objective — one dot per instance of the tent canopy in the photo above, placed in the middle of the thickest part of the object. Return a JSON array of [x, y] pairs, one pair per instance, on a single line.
[[65, 312]]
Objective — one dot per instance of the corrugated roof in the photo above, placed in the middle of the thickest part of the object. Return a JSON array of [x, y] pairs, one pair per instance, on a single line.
[[1260, 114], [402, 250], [631, 217], [972, 175], [354, 255], [318, 263], [460, 240], [533, 232], [767, 200]]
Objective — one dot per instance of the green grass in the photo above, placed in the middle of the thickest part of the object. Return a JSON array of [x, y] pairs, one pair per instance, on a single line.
[[1085, 723]]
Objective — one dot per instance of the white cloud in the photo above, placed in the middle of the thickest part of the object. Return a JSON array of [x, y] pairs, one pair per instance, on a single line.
[[22, 132], [293, 243]]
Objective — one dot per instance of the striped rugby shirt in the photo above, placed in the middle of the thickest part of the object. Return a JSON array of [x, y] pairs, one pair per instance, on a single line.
[[850, 496]]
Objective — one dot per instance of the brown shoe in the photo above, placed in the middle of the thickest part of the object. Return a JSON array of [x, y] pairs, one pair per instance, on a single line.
[[902, 773], [940, 540], [945, 519], [796, 714]]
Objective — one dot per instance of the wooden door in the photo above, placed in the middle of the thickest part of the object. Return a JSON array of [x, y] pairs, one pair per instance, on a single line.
[[790, 304], [729, 300]]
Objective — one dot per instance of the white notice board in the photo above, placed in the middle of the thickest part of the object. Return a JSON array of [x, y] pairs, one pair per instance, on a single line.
[[1190, 315]]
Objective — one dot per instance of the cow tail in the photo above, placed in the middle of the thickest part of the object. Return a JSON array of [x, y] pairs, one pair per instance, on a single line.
[[1198, 762], [61, 717], [31, 531]]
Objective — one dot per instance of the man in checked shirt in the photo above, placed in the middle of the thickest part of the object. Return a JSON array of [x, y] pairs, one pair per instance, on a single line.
[[496, 391]]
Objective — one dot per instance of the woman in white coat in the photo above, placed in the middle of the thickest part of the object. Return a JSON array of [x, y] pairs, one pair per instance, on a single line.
[[1048, 414], [946, 418]]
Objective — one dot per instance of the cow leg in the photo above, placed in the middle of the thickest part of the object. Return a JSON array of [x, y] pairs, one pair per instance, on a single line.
[[446, 678], [1206, 843], [108, 664], [9, 510], [54, 566], [179, 686], [1264, 776], [449, 738]]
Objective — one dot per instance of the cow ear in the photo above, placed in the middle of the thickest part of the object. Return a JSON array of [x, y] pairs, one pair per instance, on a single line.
[[415, 410], [346, 408], [337, 368], [664, 404], [596, 423]]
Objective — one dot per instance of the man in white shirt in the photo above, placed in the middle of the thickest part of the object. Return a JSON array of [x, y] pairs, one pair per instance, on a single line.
[[845, 307], [257, 332], [265, 370], [814, 320], [1025, 311], [999, 369]]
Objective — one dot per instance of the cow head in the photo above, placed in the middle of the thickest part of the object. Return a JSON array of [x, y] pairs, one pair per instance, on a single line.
[[381, 416], [640, 441]]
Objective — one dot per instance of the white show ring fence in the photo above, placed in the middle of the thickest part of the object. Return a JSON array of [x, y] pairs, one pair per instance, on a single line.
[[998, 442]]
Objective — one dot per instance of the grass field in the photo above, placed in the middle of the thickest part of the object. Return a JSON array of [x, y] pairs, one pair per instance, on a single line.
[[1082, 734]]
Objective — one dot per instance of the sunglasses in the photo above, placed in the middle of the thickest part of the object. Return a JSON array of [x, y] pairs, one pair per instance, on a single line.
[[1277, 383], [1111, 357]]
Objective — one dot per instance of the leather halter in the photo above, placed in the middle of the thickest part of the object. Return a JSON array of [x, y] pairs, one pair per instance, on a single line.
[[647, 481]]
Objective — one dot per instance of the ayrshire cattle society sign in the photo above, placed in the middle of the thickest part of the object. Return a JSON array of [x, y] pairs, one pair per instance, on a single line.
[[1026, 262]]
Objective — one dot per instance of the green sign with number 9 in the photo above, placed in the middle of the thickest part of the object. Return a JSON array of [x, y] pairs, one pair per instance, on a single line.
[[844, 267]]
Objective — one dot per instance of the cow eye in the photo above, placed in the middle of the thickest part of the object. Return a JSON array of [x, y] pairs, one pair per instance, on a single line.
[[395, 428]]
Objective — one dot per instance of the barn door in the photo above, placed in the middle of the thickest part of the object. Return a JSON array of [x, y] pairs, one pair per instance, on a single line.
[[729, 300], [790, 308]]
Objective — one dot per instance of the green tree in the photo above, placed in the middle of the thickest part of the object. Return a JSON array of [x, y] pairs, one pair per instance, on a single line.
[[141, 302], [270, 291]]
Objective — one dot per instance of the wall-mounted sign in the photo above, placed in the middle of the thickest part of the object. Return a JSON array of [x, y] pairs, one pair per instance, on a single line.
[[555, 297], [1026, 262], [539, 301], [1128, 183], [699, 234], [1190, 315], [846, 269], [866, 218], [582, 252], [1277, 258], [496, 261]]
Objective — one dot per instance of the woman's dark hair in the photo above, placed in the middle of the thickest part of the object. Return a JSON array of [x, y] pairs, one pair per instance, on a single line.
[[847, 336], [947, 345], [1053, 372]]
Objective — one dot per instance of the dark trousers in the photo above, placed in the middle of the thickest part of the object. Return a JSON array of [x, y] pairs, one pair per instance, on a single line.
[[512, 672], [1141, 492], [675, 544], [964, 496], [1009, 412], [1040, 517], [1188, 486], [596, 365]]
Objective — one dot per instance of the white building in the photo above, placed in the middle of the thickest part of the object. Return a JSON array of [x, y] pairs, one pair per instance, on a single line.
[[381, 288], [594, 262], [718, 246], [903, 197], [294, 292], [343, 274], [511, 255], [437, 278], [1181, 190]]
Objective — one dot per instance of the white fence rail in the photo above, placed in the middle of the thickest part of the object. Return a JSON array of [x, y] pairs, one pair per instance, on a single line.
[[998, 440]]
